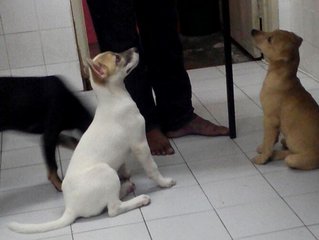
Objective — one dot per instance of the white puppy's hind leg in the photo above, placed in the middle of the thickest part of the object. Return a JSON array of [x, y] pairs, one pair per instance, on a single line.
[[124, 172], [117, 206], [144, 156]]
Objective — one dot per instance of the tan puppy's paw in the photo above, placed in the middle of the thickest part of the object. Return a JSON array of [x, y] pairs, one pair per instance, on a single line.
[[260, 159], [259, 149]]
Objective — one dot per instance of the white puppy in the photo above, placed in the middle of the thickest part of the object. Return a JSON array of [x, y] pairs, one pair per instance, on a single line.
[[91, 183]]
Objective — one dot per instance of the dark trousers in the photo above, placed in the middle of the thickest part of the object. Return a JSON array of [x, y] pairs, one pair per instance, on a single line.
[[151, 26]]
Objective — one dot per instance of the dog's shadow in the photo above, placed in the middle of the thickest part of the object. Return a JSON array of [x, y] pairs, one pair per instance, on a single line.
[[29, 199]]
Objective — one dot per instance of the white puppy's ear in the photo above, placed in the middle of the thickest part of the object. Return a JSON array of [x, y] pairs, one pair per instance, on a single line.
[[98, 69]]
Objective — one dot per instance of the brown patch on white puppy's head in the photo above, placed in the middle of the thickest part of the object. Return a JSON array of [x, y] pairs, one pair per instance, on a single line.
[[109, 65], [278, 45], [102, 66]]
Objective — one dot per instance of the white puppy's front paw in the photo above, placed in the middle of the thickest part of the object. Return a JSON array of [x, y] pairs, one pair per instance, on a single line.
[[167, 183]]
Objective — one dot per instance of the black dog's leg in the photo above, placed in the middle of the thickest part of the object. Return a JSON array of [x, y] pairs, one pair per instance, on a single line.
[[50, 139], [81, 120], [84, 120]]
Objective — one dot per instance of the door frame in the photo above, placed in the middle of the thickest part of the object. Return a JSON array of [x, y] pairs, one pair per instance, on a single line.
[[269, 14], [81, 39]]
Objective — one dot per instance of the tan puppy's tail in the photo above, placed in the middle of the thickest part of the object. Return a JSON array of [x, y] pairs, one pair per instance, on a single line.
[[67, 218]]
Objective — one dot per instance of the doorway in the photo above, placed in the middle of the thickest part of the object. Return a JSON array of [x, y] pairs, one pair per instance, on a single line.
[[252, 14], [244, 15]]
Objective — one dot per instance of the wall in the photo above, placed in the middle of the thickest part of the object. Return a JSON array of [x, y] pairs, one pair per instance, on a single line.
[[37, 38], [302, 17]]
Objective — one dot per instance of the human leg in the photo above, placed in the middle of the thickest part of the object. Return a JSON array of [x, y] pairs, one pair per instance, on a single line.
[[115, 26], [157, 22]]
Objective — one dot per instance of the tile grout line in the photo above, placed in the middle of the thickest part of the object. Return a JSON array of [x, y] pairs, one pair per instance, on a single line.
[[24, 166], [251, 163], [213, 208], [58, 154], [248, 96], [105, 228], [1, 139], [144, 220], [263, 174], [210, 114], [264, 234], [282, 198], [31, 211], [145, 223]]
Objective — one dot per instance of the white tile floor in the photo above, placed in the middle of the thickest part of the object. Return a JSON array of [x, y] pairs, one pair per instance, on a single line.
[[219, 194]]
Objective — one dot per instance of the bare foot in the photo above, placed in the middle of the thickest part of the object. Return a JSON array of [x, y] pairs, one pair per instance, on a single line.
[[158, 143], [199, 126]]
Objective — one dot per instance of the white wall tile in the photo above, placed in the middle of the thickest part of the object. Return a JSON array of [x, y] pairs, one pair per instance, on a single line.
[[24, 49], [284, 14], [308, 18], [53, 13], [5, 73], [29, 71], [70, 72], [12, 140], [59, 45], [18, 16], [22, 157], [316, 31], [302, 18], [4, 63], [1, 28], [315, 71]]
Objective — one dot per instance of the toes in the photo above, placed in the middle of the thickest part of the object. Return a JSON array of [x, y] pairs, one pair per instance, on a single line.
[[163, 151], [158, 143], [170, 151], [260, 159], [223, 131]]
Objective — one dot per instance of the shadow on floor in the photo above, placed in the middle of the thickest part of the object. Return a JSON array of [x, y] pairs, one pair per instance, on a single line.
[[207, 51], [201, 51]]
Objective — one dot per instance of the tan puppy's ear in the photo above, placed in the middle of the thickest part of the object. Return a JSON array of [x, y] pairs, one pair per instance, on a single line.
[[99, 70], [299, 40]]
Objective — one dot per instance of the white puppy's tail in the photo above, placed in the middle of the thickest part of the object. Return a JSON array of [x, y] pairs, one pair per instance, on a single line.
[[66, 219]]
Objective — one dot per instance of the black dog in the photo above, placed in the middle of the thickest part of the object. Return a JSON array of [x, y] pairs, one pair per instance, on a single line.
[[41, 105]]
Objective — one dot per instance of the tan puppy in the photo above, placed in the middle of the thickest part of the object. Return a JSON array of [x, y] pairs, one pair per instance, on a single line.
[[288, 108]]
